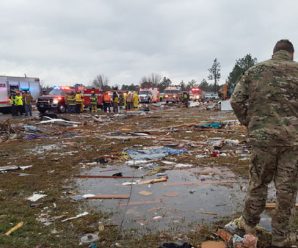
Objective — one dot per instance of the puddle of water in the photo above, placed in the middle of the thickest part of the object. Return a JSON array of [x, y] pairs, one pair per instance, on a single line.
[[196, 195]]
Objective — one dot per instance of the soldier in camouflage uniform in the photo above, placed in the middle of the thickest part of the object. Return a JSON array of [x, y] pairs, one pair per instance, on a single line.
[[265, 101]]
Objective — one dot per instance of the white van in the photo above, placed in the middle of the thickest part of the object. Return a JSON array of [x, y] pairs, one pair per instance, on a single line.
[[11, 84]]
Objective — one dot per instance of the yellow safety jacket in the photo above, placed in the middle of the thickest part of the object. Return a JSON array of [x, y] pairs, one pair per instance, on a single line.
[[18, 100], [78, 98]]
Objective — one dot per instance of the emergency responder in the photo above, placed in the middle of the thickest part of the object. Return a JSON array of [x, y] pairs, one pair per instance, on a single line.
[[27, 98], [106, 102], [13, 103], [19, 103], [71, 106], [185, 98], [129, 100], [79, 102], [115, 102], [125, 100], [265, 101], [135, 100], [93, 102]]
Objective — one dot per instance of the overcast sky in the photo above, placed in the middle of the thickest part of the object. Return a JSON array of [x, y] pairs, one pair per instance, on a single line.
[[67, 41]]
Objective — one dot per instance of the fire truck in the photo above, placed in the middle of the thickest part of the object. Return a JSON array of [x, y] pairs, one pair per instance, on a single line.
[[195, 94], [56, 99], [9, 84], [172, 94]]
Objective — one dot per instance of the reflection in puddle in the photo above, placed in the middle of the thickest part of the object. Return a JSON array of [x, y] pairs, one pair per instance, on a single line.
[[197, 195]]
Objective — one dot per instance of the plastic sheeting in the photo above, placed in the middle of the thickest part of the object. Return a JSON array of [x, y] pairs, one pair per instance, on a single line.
[[153, 153]]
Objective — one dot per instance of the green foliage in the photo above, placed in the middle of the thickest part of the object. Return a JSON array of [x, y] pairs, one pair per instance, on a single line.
[[205, 86], [191, 84], [241, 65], [182, 85], [131, 87], [166, 82], [214, 71]]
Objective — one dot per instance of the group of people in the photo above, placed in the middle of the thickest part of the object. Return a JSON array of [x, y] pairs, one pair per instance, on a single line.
[[74, 102], [112, 101], [21, 102]]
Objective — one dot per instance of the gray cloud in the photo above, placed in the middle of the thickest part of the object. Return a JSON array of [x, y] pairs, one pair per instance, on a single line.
[[74, 40]]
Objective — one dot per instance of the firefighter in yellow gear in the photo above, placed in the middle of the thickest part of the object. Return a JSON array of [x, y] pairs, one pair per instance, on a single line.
[[135, 100], [71, 102], [79, 102], [19, 103], [93, 102], [125, 100]]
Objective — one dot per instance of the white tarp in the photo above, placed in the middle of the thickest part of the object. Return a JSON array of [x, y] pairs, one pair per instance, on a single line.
[[226, 106]]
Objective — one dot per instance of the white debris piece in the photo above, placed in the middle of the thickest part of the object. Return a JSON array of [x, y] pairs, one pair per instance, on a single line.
[[76, 217], [36, 196]]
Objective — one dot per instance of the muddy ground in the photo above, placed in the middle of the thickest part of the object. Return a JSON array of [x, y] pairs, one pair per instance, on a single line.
[[97, 145]]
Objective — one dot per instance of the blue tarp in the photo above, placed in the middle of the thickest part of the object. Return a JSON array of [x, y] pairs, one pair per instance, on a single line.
[[212, 125], [153, 153]]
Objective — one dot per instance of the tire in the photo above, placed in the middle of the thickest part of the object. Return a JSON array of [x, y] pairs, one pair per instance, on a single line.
[[61, 108], [42, 111]]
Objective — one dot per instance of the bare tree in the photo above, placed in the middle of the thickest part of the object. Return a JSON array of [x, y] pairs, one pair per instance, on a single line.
[[101, 81], [214, 73], [151, 81]]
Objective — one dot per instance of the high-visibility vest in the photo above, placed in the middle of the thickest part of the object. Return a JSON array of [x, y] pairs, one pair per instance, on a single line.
[[18, 100], [106, 98], [93, 99]]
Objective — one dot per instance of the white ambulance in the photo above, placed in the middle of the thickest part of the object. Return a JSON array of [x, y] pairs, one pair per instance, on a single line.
[[10, 84]]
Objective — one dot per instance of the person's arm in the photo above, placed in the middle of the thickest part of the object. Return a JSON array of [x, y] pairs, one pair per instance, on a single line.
[[239, 99]]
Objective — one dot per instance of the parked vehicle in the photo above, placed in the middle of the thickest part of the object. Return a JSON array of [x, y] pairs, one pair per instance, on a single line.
[[55, 100], [195, 94], [172, 94], [211, 96], [12, 84], [149, 95], [145, 96]]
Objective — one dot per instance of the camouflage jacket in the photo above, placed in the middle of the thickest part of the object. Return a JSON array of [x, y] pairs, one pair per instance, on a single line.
[[265, 101]]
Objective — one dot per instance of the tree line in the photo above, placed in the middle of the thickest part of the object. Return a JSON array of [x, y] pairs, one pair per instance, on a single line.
[[155, 80]]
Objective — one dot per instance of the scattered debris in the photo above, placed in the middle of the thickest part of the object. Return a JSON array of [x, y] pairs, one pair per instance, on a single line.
[[36, 196], [176, 245], [75, 217], [95, 197], [153, 153], [272, 205], [213, 244], [89, 238], [145, 193], [14, 167], [13, 229], [155, 180], [183, 165]]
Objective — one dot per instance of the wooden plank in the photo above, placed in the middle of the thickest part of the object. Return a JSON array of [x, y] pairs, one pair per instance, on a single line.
[[13, 229], [101, 176], [155, 180], [97, 197], [272, 205]]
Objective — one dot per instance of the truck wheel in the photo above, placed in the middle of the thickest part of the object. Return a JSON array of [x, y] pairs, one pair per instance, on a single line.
[[61, 109], [42, 111]]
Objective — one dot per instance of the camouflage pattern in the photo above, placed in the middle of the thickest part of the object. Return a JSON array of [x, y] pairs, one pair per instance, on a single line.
[[265, 101], [281, 165]]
